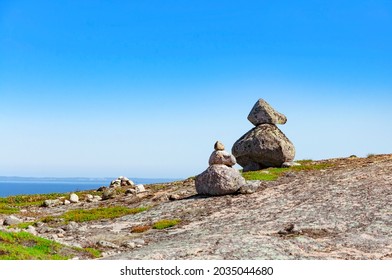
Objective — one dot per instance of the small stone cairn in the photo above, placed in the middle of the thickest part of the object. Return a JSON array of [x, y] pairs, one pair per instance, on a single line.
[[108, 193], [220, 178], [265, 145], [121, 182]]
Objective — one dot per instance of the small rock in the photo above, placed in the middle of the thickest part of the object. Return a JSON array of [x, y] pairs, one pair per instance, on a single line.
[[74, 198], [139, 241], [125, 181], [222, 157], [219, 146], [66, 202], [39, 224], [130, 192], [115, 183], [97, 198], [290, 229], [251, 186], [174, 197], [290, 164], [57, 230], [243, 190], [108, 194], [129, 244], [31, 229], [140, 188], [107, 244], [89, 198], [11, 220], [289, 174], [70, 226], [101, 189], [160, 197], [51, 202], [43, 229]]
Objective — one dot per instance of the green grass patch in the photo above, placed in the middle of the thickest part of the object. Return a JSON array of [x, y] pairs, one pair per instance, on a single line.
[[84, 215], [92, 251], [13, 204], [8, 210], [25, 246], [23, 225], [162, 224], [272, 174], [28, 200], [309, 167]]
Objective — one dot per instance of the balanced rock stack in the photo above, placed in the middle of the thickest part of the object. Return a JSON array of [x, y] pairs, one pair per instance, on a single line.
[[220, 178], [121, 182], [265, 145]]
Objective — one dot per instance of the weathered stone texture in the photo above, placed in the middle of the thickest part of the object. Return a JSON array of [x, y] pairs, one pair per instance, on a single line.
[[263, 146], [262, 112], [219, 179]]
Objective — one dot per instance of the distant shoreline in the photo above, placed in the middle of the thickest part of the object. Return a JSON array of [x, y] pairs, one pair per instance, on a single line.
[[12, 185], [75, 179]]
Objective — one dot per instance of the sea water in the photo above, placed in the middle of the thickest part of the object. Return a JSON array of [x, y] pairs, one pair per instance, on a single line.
[[18, 186]]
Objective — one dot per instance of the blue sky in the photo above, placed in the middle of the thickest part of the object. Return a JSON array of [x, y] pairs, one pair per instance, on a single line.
[[145, 88]]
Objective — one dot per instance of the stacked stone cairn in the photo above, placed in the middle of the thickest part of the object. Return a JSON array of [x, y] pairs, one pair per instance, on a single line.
[[220, 178], [265, 145]]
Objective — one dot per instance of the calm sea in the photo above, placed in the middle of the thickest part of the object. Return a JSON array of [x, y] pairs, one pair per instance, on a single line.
[[19, 186]]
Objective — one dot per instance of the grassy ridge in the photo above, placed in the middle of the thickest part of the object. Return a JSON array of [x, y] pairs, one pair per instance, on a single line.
[[84, 215], [13, 204], [25, 246]]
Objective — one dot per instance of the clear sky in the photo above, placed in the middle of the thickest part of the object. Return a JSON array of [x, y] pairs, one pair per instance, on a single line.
[[145, 88]]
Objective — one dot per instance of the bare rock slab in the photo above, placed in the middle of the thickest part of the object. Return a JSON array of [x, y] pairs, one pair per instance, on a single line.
[[262, 113], [262, 147], [219, 179]]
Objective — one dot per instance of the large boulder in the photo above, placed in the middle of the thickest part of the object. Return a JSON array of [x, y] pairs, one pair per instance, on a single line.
[[262, 113], [219, 179], [262, 147]]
